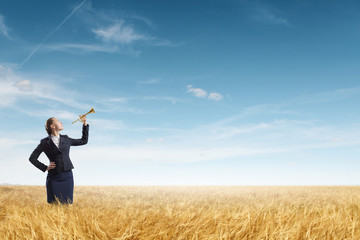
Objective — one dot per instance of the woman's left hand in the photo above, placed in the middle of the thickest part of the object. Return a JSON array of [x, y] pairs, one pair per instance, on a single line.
[[83, 119]]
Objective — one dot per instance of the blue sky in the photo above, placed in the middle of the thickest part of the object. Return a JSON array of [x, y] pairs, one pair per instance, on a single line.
[[185, 92]]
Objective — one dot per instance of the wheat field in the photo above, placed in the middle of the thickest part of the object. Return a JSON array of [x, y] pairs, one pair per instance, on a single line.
[[154, 212]]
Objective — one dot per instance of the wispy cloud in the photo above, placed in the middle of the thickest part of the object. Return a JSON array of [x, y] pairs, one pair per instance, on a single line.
[[201, 93], [14, 142], [265, 16], [267, 140], [149, 81], [329, 96], [264, 13], [215, 96], [130, 104], [232, 131], [143, 19], [24, 85], [118, 104], [168, 154], [51, 33], [197, 92], [3, 28], [108, 124], [162, 98], [9, 91], [119, 33], [14, 87], [82, 48], [255, 111], [49, 112], [153, 41], [122, 31], [93, 48], [124, 34]]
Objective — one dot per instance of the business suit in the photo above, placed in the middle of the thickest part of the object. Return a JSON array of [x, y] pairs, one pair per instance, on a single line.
[[59, 182]]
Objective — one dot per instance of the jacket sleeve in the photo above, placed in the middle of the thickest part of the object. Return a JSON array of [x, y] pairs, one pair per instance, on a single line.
[[35, 155], [84, 138]]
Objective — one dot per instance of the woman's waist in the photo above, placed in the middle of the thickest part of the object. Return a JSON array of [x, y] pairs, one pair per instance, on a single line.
[[56, 172]]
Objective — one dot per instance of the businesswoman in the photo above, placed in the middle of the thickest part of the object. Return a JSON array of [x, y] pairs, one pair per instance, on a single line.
[[59, 181]]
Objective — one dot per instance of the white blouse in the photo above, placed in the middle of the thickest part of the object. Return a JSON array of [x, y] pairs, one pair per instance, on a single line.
[[56, 140]]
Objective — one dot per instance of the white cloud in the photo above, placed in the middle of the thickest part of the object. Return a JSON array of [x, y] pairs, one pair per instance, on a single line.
[[149, 81], [232, 131], [330, 96], [114, 30], [127, 104], [24, 85], [8, 91], [152, 140], [215, 96], [201, 93], [6, 143], [197, 92], [153, 41], [75, 48], [108, 124], [143, 19], [3, 27], [14, 87], [265, 16], [160, 98], [116, 100], [233, 139], [166, 153], [119, 33], [60, 114], [117, 104]]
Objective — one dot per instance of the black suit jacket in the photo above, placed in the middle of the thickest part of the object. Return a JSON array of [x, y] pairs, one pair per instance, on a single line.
[[58, 155]]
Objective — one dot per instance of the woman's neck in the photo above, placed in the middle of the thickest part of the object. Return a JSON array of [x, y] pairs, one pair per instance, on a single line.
[[55, 133]]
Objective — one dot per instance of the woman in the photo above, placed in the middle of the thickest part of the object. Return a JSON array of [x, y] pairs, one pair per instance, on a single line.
[[59, 181]]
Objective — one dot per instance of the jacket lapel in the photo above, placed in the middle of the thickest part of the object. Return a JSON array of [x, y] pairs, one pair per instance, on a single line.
[[52, 144], [61, 144]]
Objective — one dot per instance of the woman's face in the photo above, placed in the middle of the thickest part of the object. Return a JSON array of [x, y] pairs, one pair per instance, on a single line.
[[57, 125]]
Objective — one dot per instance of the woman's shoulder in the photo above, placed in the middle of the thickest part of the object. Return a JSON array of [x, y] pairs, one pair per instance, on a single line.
[[45, 139]]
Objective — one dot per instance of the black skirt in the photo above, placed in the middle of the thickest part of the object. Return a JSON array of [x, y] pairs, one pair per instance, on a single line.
[[60, 187]]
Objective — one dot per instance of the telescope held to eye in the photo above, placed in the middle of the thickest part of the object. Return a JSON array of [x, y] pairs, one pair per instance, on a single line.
[[91, 111]]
